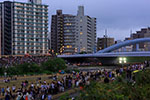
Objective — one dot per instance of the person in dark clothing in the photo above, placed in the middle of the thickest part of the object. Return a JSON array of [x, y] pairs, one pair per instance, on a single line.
[[7, 96], [106, 80], [113, 75], [129, 74], [117, 71]]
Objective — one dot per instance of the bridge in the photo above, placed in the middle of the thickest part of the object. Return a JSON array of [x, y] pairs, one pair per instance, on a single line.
[[107, 52], [125, 43], [118, 54]]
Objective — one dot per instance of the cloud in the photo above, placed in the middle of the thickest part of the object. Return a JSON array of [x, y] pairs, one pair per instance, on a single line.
[[118, 16]]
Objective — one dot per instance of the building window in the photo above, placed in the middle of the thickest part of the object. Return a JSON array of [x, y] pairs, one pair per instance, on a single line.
[[81, 33]]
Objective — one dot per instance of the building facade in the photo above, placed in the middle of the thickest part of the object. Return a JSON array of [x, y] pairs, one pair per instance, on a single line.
[[24, 28], [85, 32], [104, 42], [143, 33], [0, 28], [71, 34], [128, 48], [63, 33], [35, 1]]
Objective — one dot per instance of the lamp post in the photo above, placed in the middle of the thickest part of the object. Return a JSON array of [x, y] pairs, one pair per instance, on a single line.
[[122, 60]]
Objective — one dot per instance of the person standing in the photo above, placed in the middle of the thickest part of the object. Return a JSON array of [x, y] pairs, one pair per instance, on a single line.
[[3, 91], [43, 97], [7, 96], [19, 97], [13, 88], [0, 91], [49, 97]]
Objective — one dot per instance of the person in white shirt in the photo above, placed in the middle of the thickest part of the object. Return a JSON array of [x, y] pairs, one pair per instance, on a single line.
[[32, 85], [13, 88]]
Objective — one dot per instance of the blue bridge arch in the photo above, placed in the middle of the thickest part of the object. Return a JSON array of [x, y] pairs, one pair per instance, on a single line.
[[122, 44]]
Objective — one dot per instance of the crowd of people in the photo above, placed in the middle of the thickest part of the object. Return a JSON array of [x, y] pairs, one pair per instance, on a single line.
[[42, 90], [14, 60]]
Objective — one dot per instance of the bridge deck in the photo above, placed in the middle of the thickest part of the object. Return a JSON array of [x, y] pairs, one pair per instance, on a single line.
[[118, 54]]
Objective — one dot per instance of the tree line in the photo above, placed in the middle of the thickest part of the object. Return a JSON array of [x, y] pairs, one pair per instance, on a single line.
[[48, 67]]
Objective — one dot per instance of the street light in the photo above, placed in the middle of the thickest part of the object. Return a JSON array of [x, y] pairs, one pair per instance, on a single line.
[[122, 60], [125, 59]]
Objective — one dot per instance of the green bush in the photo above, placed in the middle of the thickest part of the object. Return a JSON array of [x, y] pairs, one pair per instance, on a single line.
[[12, 71], [48, 67], [47, 72], [34, 68], [1, 71], [64, 97], [54, 65], [120, 89]]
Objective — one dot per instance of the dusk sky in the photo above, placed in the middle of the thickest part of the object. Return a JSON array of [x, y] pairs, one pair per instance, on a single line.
[[119, 17]]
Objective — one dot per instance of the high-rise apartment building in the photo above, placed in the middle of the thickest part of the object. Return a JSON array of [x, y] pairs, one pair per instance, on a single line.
[[72, 34], [24, 28], [85, 32], [63, 33], [0, 29], [104, 42], [35, 1]]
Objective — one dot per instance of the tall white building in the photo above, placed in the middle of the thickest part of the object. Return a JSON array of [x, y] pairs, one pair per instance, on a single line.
[[71, 34], [85, 32]]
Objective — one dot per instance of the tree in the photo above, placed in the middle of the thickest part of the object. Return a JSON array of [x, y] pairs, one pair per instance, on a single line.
[[60, 64], [1, 71], [54, 65], [34, 68]]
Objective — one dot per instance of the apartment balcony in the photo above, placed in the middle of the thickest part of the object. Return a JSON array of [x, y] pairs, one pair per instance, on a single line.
[[68, 41], [68, 34], [65, 44], [70, 38]]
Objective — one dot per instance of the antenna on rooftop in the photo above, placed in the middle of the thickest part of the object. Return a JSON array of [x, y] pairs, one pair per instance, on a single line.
[[105, 32], [131, 31], [105, 36]]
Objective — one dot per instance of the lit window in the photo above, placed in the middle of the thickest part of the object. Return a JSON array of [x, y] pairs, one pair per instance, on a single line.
[[81, 33], [67, 46], [68, 24]]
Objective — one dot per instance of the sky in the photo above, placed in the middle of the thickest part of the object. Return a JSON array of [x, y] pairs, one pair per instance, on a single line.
[[119, 17]]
